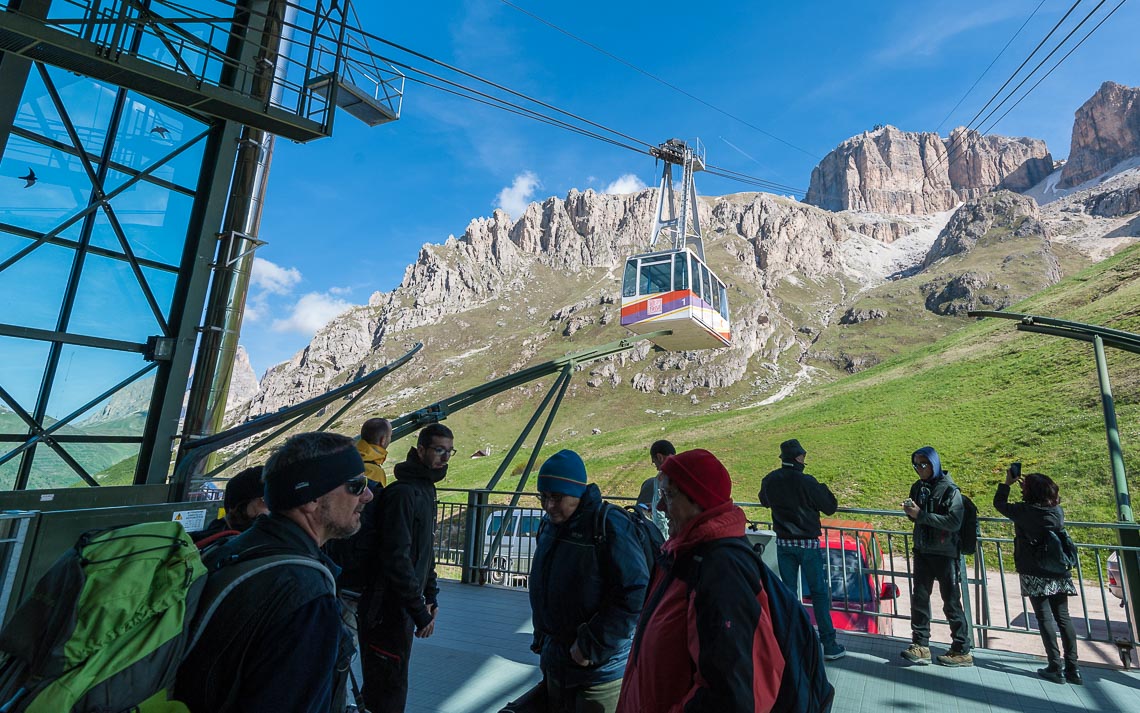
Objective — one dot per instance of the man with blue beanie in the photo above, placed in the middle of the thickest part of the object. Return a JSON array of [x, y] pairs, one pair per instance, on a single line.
[[935, 506], [586, 591]]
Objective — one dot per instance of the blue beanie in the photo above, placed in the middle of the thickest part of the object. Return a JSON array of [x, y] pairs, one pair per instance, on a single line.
[[564, 472]]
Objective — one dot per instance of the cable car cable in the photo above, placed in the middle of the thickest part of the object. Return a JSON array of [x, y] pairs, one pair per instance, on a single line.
[[659, 80]]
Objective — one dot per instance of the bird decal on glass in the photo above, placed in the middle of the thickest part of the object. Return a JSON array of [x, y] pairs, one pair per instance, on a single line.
[[30, 178], [160, 130]]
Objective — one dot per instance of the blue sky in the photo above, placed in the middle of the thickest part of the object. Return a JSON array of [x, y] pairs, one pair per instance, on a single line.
[[345, 215]]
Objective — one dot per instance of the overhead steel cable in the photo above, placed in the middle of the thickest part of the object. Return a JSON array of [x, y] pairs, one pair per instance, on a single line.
[[1058, 64], [657, 79], [989, 67], [729, 173], [962, 146]]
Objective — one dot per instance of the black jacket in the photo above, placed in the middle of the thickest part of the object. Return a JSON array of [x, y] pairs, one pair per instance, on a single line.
[[402, 523], [796, 499], [277, 642], [586, 593], [1030, 523]]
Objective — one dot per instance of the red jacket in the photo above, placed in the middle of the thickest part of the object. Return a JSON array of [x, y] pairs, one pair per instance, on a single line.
[[712, 648]]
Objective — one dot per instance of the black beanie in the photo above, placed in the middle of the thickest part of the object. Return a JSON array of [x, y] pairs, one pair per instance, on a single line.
[[242, 488], [790, 449], [303, 481]]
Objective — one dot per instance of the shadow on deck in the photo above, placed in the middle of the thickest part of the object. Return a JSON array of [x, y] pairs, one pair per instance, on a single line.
[[479, 659]]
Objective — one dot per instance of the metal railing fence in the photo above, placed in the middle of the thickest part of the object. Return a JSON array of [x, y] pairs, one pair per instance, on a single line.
[[870, 566]]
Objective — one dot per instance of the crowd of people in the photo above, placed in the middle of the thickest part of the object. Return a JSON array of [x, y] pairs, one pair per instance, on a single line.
[[615, 628]]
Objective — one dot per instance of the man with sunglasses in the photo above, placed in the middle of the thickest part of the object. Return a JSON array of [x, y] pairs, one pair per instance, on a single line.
[[278, 642], [935, 506], [399, 602]]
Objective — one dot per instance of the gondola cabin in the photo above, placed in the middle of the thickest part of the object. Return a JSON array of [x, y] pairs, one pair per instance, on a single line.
[[674, 289]]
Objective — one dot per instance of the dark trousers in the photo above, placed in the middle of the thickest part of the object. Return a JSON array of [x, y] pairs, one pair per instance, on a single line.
[[929, 569], [1053, 612], [809, 560], [385, 648]]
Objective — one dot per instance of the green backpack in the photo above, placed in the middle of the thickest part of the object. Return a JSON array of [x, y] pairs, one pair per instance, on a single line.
[[109, 624]]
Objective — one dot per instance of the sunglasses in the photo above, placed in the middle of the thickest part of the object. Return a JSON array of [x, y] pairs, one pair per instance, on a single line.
[[356, 486], [921, 466], [441, 451]]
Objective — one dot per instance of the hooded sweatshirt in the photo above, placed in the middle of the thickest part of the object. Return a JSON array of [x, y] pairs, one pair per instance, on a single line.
[[938, 523], [373, 457]]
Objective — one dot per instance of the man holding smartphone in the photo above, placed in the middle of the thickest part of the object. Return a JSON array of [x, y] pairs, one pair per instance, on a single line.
[[935, 506]]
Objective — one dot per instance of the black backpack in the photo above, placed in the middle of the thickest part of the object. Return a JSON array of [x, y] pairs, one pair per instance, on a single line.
[[1056, 553], [968, 533], [648, 536], [804, 687]]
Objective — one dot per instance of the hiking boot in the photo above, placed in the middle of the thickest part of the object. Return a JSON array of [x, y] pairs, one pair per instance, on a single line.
[[833, 651], [1051, 673], [917, 654], [1073, 676], [956, 658]]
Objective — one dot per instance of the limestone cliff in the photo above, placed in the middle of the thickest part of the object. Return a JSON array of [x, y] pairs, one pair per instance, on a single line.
[[1106, 131], [911, 173]]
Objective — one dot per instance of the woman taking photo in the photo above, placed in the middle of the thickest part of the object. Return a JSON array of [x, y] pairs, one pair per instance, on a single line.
[[1039, 512]]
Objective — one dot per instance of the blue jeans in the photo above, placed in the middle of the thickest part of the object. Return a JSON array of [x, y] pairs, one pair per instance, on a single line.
[[809, 560]]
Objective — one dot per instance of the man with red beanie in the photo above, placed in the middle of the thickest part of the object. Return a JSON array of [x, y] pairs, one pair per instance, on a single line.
[[703, 643]]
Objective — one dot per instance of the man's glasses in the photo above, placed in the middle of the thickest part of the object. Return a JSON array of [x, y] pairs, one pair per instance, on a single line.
[[552, 498], [441, 451], [921, 466], [667, 495], [356, 486]]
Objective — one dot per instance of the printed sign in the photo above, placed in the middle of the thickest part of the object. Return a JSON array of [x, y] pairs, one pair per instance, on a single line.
[[653, 306], [192, 520]]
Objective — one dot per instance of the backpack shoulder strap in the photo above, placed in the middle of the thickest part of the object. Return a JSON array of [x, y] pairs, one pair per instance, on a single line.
[[600, 523], [225, 580]]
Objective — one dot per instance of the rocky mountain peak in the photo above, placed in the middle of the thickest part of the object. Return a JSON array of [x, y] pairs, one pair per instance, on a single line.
[[1106, 131], [919, 173]]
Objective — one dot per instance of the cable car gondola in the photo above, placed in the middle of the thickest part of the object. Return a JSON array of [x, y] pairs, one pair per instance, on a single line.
[[674, 289]]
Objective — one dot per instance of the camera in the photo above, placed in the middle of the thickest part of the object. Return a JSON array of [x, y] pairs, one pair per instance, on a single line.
[[1015, 469], [908, 503]]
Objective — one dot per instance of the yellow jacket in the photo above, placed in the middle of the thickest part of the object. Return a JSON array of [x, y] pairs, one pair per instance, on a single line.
[[373, 457]]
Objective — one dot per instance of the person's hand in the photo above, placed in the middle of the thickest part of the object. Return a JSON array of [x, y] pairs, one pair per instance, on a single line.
[[576, 655], [911, 509], [1011, 477], [428, 630]]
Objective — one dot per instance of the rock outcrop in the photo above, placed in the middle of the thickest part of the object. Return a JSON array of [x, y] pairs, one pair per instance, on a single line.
[[909, 173], [243, 380], [1106, 131], [1001, 215]]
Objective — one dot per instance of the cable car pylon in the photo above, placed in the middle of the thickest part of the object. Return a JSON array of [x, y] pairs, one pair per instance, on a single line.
[[673, 288]]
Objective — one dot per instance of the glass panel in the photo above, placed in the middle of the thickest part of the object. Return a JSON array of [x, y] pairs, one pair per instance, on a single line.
[[121, 414], [51, 471], [21, 371], [162, 284], [153, 218], [680, 272], [715, 285], [629, 282], [724, 302], [60, 190], [696, 275], [149, 132], [706, 285], [89, 105], [496, 523], [32, 288], [655, 276], [109, 287], [84, 373], [530, 525]]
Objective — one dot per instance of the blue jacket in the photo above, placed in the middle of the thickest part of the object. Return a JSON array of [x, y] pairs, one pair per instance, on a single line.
[[588, 594], [936, 529]]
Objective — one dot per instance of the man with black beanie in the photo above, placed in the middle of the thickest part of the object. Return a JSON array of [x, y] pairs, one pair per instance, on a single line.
[[277, 642], [796, 500], [400, 599]]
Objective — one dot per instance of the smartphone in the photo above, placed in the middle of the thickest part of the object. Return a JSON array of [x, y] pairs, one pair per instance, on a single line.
[[1015, 468]]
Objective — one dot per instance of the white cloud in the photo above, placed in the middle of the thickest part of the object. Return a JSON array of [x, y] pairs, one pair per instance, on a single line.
[[515, 197], [627, 183], [271, 277], [313, 311], [340, 290]]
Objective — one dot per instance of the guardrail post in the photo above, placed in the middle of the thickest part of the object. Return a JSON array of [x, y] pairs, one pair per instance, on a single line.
[[473, 535]]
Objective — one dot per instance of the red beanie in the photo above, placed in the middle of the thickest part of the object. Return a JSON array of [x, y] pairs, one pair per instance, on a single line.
[[699, 475]]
